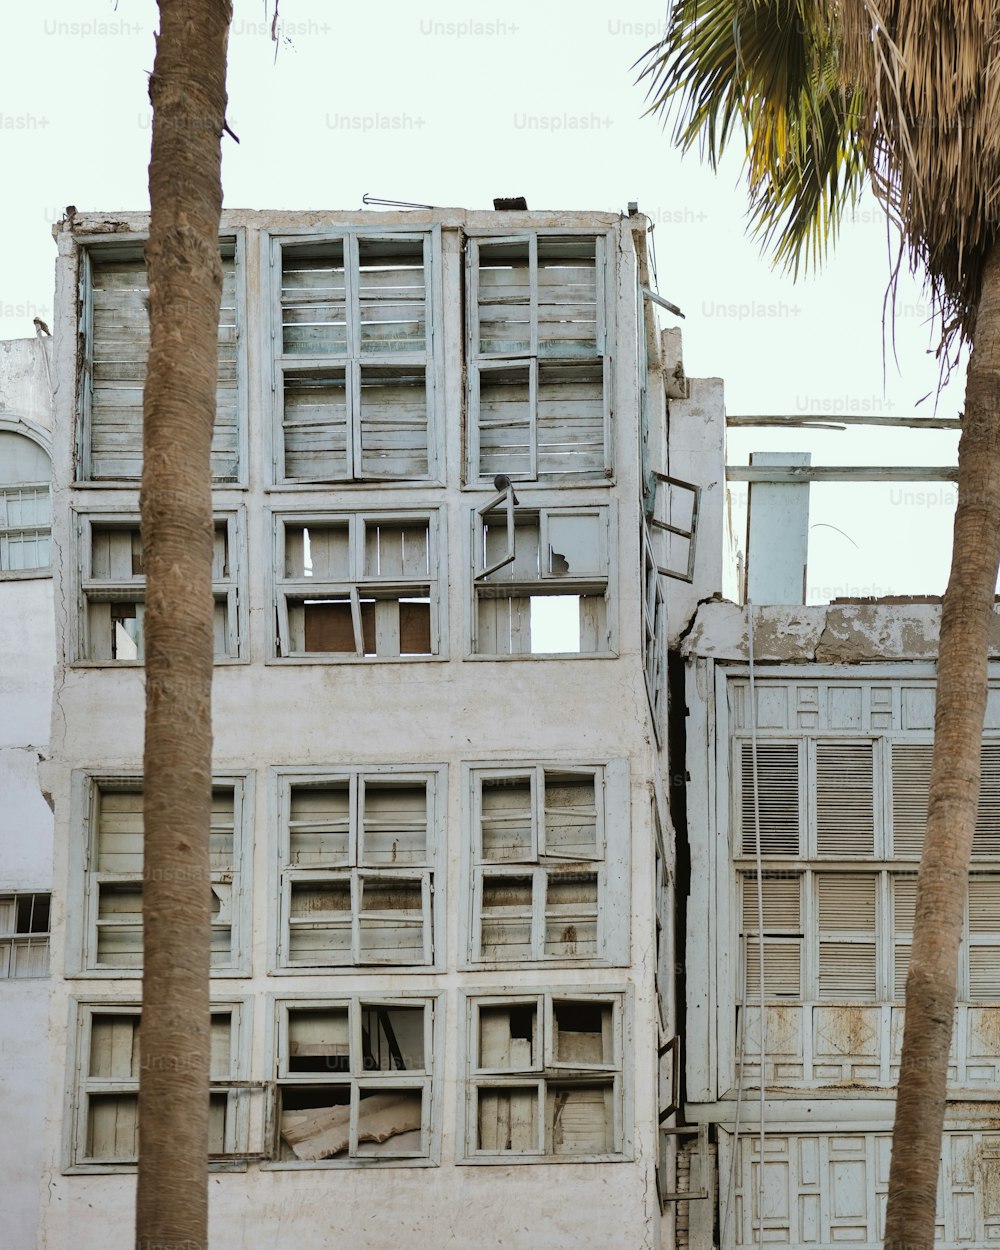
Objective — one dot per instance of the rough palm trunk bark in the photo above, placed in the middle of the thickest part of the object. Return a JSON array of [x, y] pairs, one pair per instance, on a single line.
[[966, 618], [188, 93]]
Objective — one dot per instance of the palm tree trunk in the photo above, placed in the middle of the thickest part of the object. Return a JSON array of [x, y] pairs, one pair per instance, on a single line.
[[188, 93], [966, 617]]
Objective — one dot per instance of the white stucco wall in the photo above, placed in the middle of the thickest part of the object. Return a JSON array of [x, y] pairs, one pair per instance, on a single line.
[[27, 658], [450, 711]]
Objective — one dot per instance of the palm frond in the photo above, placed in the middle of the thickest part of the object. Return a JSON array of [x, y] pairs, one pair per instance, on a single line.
[[768, 72]]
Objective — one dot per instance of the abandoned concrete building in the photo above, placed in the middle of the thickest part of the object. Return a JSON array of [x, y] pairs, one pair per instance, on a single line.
[[486, 945]]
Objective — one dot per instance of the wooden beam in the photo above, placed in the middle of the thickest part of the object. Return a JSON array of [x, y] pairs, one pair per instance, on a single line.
[[840, 473], [824, 420]]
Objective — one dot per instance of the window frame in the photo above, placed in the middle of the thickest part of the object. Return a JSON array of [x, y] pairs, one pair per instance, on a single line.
[[545, 1070], [14, 938], [503, 580], [80, 1085], [124, 247], [230, 589], [350, 236], [284, 873], [285, 588], [610, 865], [480, 362], [38, 438], [86, 878], [429, 1080]]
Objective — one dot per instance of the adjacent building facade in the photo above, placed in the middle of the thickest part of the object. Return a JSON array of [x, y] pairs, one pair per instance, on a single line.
[[442, 853], [27, 655]]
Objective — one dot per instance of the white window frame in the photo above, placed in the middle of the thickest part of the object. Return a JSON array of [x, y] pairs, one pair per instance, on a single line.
[[128, 248], [226, 585], [654, 631], [357, 585], [358, 356], [15, 939], [513, 578], [81, 1086], [11, 492], [610, 864], [356, 868], [544, 1071], [230, 883], [530, 359], [427, 1079]]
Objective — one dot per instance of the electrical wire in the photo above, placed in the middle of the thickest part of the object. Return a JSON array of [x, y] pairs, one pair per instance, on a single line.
[[745, 1001]]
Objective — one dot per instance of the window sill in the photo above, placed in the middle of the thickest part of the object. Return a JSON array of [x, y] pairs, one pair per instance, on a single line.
[[544, 655], [26, 575], [505, 1160]]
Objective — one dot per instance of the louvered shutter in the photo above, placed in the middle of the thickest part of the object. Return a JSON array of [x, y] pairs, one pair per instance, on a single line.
[[911, 776], [846, 914], [986, 840], [778, 777], [845, 799], [118, 350], [984, 938], [782, 937], [904, 900]]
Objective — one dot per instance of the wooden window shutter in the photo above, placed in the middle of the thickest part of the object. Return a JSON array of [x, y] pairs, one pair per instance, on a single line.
[[986, 840], [904, 901], [782, 937], [984, 937], [846, 910], [845, 799], [778, 775], [911, 777], [119, 347]]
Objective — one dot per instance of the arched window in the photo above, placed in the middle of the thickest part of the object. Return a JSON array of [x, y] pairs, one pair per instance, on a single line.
[[25, 505]]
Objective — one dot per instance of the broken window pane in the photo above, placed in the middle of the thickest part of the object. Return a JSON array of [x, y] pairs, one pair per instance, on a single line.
[[318, 1040], [390, 1118], [508, 1036], [390, 1122], [582, 1033], [392, 1038]]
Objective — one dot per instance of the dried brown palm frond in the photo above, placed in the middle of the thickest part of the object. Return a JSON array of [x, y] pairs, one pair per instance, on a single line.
[[930, 74]]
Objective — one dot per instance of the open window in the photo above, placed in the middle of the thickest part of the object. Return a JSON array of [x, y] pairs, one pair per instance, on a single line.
[[358, 586], [25, 505], [24, 935], [540, 579], [654, 630], [113, 589], [545, 1076], [539, 368], [106, 1130], [353, 365], [353, 1080], [357, 870], [115, 873], [115, 295], [549, 854]]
